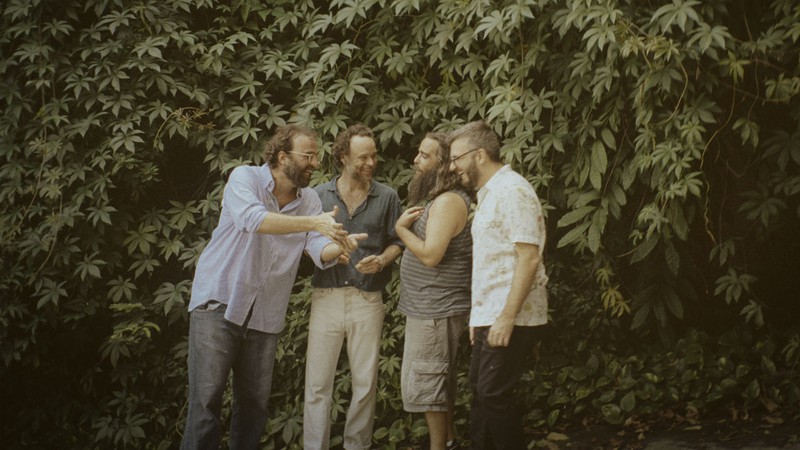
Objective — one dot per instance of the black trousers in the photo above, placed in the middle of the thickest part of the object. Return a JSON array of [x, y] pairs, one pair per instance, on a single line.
[[496, 418]]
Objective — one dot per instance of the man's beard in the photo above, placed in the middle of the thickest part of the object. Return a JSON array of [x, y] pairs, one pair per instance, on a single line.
[[471, 173], [421, 185], [295, 175]]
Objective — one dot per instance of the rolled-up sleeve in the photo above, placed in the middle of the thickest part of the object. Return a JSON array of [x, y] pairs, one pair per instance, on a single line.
[[241, 200], [523, 220], [315, 242], [394, 212]]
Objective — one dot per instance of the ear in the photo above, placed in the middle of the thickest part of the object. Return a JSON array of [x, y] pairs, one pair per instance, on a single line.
[[482, 156]]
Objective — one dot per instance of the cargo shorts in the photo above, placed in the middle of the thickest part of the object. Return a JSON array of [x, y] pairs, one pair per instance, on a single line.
[[428, 376]]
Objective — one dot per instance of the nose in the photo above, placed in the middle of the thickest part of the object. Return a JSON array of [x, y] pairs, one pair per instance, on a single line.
[[452, 166], [314, 162], [416, 159]]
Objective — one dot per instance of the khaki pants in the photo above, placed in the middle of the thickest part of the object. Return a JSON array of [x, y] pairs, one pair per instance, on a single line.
[[339, 314]]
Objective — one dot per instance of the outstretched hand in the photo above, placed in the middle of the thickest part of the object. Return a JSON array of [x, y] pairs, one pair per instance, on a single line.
[[349, 245], [327, 225]]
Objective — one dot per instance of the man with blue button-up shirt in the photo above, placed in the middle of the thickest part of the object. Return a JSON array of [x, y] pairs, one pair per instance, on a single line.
[[346, 303], [243, 281]]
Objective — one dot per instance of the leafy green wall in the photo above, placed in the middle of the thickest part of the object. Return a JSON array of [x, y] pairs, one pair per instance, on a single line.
[[662, 137]]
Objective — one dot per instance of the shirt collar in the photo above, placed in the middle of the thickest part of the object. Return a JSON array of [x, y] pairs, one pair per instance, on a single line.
[[495, 179], [331, 186], [266, 178], [268, 181]]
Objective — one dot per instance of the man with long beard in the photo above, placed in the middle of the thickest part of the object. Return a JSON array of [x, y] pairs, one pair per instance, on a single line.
[[509, 297], [434, 290], [242, 285], [347, 301]]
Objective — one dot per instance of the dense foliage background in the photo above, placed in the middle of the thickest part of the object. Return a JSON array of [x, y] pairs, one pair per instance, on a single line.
[[662, 137]]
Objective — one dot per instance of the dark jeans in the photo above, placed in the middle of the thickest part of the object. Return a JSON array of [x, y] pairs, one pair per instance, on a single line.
[[217, 346], [496, 419]]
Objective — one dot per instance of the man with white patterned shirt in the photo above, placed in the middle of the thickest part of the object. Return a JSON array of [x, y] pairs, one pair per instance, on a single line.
[[509, 299]]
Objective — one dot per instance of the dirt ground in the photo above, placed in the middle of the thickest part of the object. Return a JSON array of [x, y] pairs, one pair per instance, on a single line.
[[762, 434], [673, 432]]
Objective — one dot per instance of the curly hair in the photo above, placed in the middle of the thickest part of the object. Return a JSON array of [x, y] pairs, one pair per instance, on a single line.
[[281, 141], [341, 146], [445, 179], [480, 135]]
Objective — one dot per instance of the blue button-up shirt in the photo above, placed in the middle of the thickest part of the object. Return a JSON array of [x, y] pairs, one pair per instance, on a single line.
[[376, 216], [246, 270]]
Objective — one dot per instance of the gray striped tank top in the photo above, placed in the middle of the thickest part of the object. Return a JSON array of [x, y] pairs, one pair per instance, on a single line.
[[444, 290]]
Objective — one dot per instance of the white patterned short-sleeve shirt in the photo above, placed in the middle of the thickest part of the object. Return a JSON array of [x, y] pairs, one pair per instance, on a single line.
[[508, 212]]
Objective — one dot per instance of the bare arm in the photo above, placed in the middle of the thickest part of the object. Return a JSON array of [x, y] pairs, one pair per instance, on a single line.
[[325, 224], [334, 250], [446, 218], [376, 263], [527, 263]]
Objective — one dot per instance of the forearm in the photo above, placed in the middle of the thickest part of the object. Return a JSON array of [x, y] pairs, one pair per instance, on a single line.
[[331, 252], [276, 223], [412, 242], [524, 277], [389, 254]]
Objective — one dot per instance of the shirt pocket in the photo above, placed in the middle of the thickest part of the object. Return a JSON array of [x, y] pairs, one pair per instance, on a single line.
[[373, 244]]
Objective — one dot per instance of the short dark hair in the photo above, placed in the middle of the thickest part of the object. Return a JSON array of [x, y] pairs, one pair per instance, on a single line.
[[341, 146], [445, 179], [480, 135], [281, 141]]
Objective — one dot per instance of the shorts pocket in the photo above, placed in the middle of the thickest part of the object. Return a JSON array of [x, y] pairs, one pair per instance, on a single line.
[[428, 382]]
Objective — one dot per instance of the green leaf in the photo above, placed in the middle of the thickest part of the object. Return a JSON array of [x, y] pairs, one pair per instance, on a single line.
[[244, 83], [678, 13], [628, 402], [612, 413], [753, 390], [392, 127], [599, 164], [644, 248], [574, 234], [575, 215], [599, 220], [120, 288], [141, 239]]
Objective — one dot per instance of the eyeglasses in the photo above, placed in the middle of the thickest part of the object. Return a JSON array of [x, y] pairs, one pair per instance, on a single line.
[[310, 157], [456, 158]]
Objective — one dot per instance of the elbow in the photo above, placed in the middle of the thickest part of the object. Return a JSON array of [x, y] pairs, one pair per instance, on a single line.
[[256, 222], [533, 262], [430, 261], [536, 259]]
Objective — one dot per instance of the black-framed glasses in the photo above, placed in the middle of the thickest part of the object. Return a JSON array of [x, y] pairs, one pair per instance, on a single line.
[[456, 158], [310, 157]]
